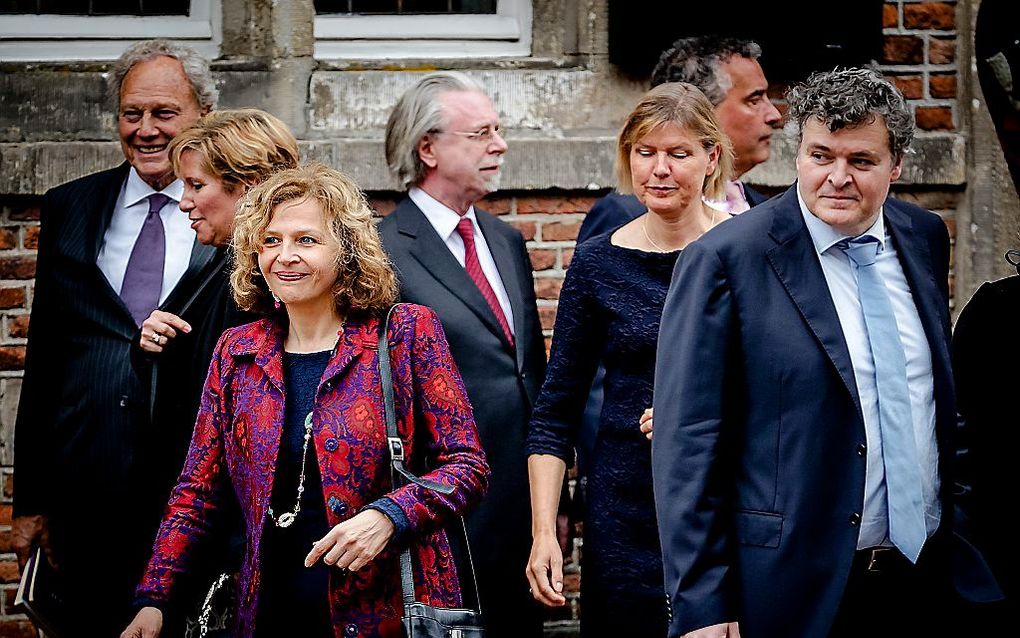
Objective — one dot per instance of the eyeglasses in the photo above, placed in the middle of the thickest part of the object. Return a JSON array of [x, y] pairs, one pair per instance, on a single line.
[[485, 135]]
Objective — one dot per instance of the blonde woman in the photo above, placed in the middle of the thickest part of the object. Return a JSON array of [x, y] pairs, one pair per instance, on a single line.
[[671, 154], [292, 424]]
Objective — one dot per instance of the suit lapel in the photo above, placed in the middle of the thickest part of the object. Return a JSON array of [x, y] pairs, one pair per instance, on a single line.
[[203, 259], [796, 263], [431, 252], [503, 255], [915, 257]]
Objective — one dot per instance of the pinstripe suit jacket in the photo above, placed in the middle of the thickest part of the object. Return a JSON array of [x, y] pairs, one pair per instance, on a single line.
[[82, 435]]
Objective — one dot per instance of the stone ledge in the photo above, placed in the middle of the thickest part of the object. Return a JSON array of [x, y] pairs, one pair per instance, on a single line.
[[571, 163]]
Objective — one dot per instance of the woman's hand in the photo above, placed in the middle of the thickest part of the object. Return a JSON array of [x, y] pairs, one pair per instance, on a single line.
[[545, 571], [645, 423], [353, 543], [725, 630], [148, 623], [159, 329]]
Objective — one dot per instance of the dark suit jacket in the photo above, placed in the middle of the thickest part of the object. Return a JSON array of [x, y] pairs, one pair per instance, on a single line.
[[502, 382], [986, 351], [83, 437], [758, 479]]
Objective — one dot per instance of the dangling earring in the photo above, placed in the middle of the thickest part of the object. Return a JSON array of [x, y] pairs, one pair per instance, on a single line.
[[276, 301]]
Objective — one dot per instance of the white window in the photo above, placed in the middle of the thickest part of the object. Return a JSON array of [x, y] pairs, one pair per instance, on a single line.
[[29, 37], [505, 33]]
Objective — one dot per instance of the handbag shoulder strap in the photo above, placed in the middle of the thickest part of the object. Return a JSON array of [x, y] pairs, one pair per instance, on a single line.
[[399, 473]]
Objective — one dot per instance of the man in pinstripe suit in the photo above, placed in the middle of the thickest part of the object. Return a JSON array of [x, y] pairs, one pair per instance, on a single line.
[[92, 474]]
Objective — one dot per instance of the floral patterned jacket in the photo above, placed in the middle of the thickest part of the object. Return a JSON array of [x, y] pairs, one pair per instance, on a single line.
[[236, 440]]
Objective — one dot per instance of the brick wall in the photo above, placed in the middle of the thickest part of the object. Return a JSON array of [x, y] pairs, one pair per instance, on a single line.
[[919, 54]]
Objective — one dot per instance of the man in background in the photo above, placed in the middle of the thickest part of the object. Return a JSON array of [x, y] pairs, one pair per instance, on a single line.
[[93, 476], [444, 144]]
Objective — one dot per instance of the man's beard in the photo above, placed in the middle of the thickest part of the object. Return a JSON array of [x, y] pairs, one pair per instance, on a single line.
[[492, 182]]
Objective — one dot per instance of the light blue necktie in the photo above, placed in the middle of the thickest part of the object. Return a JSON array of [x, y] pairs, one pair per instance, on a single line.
[[907, 528]]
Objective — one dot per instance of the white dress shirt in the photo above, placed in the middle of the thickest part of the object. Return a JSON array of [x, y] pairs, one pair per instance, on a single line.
[[842, 282], [128, 217], [445, 220]]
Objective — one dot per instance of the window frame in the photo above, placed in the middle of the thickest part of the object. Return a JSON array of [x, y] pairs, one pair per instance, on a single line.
[[50, 37], [507, 33]]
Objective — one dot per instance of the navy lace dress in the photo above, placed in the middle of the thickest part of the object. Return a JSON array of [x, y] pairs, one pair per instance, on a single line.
[[609, 311]]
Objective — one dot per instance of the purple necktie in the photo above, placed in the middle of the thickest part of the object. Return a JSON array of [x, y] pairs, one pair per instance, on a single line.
[[143, 280]]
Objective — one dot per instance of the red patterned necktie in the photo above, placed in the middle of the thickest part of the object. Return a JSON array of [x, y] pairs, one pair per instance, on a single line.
[[474, 270]]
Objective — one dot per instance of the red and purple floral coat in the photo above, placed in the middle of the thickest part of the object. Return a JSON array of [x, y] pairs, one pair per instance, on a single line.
[[237, 437]]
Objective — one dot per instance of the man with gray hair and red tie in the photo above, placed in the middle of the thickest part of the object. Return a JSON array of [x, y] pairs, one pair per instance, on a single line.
[[92, 475], [444, 144]]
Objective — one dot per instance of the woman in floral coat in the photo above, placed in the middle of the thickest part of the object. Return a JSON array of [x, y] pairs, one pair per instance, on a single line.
[[292, 423]]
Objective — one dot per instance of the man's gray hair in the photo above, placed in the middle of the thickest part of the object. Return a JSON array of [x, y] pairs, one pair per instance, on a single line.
[[416, 114], [846, 98], [699, 61], [196, 69]]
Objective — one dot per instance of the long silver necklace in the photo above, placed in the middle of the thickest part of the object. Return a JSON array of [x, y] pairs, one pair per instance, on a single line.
[[287, 519]]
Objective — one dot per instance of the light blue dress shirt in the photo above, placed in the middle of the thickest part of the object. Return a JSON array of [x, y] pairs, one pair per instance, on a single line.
[[841, 280]]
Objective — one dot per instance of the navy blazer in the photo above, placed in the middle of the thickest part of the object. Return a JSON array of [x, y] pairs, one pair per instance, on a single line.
[[757, 459]]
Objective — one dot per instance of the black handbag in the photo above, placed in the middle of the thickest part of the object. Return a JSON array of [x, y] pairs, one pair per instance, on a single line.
[[421, 620]]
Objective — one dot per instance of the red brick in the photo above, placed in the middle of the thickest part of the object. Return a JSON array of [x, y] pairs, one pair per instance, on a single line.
[[903, 49], [547, 314], [548, 288], [911, 86], [12, 298], [31, 239], [9, 486], [9, 571], [17, 268], [5, 541], [554, 204], [940, 16], [560, 231], [942, 86], [12, 358], [934, 118], [572, 582], [941, 50], [496, 205], [26, 214], [527, 229], [568, 254], [5, 514], [542, 259], [890, 16], [17, 628], [17, 327], [8, 238]]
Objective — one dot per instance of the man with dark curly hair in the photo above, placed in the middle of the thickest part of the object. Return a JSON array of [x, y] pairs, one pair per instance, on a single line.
[[804, 446]]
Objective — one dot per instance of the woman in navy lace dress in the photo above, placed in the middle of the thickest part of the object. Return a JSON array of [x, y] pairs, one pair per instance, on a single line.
[[671, 154]]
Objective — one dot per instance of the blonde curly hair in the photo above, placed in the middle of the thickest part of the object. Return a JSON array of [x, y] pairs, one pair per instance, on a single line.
[[365, 279]]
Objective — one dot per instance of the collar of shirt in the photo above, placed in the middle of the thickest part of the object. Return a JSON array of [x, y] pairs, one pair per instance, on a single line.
[[443, 218], [136, 190], [733, 206], [824, 236]]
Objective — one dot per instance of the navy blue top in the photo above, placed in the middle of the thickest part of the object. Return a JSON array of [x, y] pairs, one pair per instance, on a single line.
[[609, 311], [297, 591]]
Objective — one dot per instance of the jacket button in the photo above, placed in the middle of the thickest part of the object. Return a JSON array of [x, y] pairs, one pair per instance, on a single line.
[[862, 449], [331, 445], [855, 519], [328, 385], [123, 400], [351, 630]]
